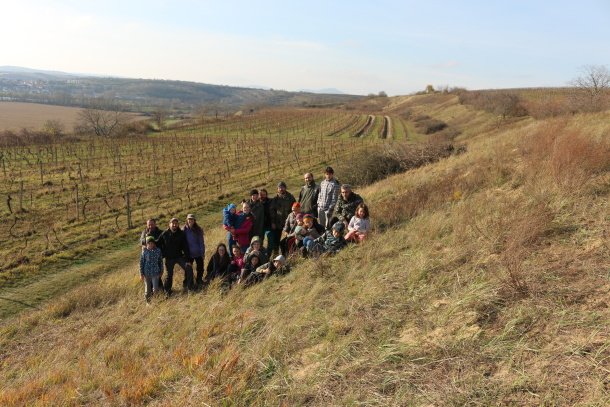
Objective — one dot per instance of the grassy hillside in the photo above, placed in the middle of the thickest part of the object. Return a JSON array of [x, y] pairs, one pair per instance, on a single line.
[[486, 282]]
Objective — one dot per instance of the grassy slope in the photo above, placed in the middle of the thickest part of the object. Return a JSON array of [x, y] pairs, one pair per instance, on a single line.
[[487, 286]]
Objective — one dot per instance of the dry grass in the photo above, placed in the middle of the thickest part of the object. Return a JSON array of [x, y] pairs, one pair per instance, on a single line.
[[490, 288]]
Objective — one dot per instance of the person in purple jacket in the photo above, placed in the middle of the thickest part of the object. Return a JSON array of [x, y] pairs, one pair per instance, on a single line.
[[194, 236]]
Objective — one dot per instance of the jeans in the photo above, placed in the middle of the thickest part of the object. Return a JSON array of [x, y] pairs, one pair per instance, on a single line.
[[169, 266], [151, 285]]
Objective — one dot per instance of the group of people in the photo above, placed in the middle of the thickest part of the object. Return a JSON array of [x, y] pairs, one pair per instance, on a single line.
[[314, 224]]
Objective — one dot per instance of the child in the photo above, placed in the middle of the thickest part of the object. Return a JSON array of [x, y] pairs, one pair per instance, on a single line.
[[250, 267], [277, 266], [359, 225], [313, 232], [229, 223], [237, 264], [331, 242], [258, 249], [151, 268]]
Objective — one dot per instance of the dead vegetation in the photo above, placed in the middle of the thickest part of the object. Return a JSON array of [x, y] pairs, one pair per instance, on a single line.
[[485, 283]]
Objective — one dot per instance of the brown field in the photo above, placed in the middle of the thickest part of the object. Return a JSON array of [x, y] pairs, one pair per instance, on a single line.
[[17, 115]]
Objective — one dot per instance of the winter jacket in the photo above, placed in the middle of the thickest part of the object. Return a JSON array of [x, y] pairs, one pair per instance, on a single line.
[[174, 244], [151, 262], [291, 223], [156, 232], [280, 207], [243, 232], [308, 198], [331, 243], [346, 208], [266, 214], [217, 266], [196, 242], [258, 210]]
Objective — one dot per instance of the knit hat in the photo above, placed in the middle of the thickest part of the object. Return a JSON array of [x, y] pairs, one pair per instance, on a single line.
[[190, 216], [254, 192], [297, 232], [296, 205], [150, 239], [339, 226], [255, 239], [281, 259], [281, 185], [230, 206], [299, 215], [308, 216]]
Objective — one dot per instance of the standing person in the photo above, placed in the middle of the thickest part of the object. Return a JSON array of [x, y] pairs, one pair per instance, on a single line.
[[154, 231], [175, 249], [258, 210], [242, 232], [194, 236], [229, 223], [346, 205], [308, 197], [150, 230], [279, 209], [327, 199], [359, 225], [267, 231], [151, 268]]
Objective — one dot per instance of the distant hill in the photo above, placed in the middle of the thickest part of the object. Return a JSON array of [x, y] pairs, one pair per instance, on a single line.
[[68, 89]]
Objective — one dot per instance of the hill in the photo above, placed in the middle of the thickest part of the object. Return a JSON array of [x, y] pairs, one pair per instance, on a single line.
[[27, 85], [485, 282]]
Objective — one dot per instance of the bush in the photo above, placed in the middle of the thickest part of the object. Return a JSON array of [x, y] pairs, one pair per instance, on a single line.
[[389, 159]]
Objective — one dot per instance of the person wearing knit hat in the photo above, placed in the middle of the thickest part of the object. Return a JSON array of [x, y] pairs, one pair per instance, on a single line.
[[276, 266], [151, 268]]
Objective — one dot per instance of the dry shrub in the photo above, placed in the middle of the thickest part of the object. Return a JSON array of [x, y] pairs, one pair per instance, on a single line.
[[430, 126], [509, 229], [549, 107], [568, 156], [389, 159]]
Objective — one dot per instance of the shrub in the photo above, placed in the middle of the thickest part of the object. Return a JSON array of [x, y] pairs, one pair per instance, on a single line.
[[389, 159]]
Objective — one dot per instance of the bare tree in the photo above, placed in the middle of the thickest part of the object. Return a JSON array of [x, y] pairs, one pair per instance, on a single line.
[[103, 117], [160, 116], [592, 88]]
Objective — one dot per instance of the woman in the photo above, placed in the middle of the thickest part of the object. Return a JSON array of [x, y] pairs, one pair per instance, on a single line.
[[245, 222], [194, 237], [218, 264]]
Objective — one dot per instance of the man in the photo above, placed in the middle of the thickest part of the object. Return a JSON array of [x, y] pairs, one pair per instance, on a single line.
[[346, 205], [279, 209], [327, 198], [175, 248], [267, 231], [308, 197], [258, 210], [151, 230]]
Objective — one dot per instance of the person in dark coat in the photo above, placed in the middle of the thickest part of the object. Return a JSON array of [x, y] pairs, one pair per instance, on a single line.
[[175, 248]]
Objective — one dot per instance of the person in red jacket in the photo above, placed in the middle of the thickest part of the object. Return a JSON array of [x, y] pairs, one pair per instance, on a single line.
[[245, 222]]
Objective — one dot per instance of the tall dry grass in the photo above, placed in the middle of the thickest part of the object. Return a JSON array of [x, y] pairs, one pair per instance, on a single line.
[[490, 288]]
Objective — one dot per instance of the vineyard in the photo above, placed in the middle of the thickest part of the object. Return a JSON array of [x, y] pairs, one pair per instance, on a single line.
[[68, 197]]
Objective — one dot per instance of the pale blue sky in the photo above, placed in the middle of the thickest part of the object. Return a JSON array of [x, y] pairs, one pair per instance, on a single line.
[[355, 46]]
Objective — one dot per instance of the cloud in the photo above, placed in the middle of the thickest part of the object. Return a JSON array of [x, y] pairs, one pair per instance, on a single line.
[[77, 22]]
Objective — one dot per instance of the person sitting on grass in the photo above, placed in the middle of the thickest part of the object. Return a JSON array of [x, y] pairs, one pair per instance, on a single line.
[[250, 267], [237, 264], [331, 242], [277, 266], [359, 225], [313, 231], [256, 248], [151, 268], [218, 264]]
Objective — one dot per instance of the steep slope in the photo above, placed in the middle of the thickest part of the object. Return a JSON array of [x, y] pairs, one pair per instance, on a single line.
[[485, 283]]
